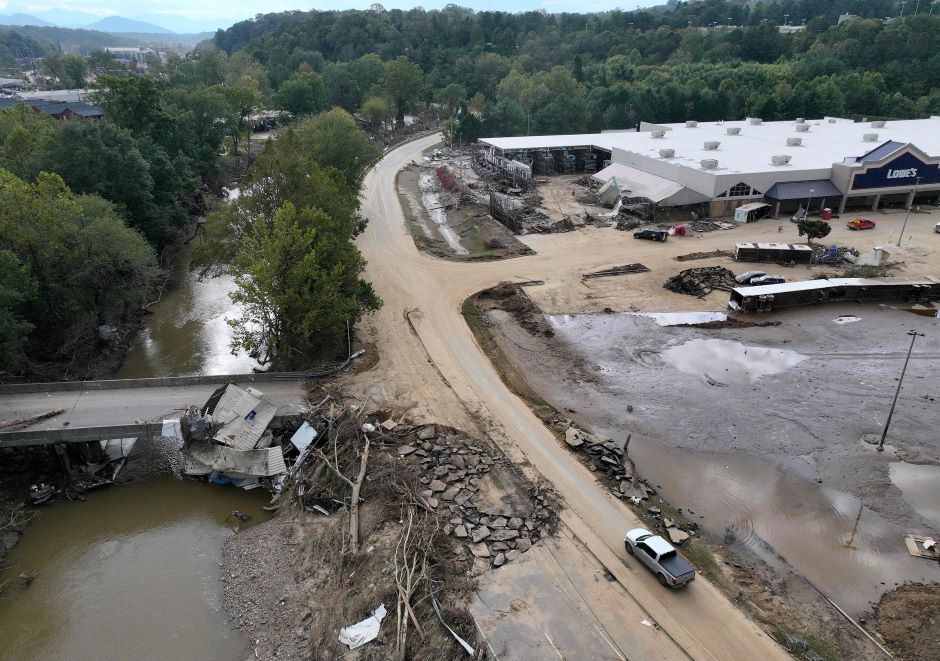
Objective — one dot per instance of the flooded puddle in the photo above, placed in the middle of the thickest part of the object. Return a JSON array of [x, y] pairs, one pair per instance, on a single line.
[[132, 573], [846, 319], [776, 512], [729, 362], [682, 318], [920, 485], [431, 199]]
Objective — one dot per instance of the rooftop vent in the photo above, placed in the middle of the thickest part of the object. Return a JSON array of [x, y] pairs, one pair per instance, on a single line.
[[781, 159], [712, 145], [691, 125], [658, 134], [709, 164], [870, 137], [832, 120], [754, 120], [800, 120], [794, 142], [802, 128], [667, 153], [733, 130], [878, 125]]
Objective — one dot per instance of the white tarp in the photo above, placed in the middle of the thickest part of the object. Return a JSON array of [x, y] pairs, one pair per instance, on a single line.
[[357, 635], [244, 413], [303, 436]]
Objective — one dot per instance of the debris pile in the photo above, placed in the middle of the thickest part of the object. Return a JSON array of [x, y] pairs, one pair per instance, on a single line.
[[710, 225], [616, 270], [704, 255], [455, 469], [701, 281], [607, 457], [833, 254], [521, 217], [238, 437], [626, 222]]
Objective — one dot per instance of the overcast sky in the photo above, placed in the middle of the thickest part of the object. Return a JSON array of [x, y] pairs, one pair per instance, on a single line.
[[222, 13]]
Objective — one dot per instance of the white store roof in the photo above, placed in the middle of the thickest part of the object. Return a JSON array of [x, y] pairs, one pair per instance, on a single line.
[[828, 141]]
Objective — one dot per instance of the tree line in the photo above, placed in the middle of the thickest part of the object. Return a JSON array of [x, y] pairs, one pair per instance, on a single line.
[[541, 73]]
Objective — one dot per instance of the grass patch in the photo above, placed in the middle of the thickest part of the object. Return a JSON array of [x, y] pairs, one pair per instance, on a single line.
[[430, 150], [804, 646]]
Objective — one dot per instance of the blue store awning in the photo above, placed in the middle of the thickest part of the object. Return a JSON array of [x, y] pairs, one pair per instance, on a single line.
[[816, 189]]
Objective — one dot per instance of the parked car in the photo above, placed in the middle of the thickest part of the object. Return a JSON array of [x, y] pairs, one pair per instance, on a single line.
[[651, 235], [745, 278], [660, 557], [861, 224], [767, 280], [936, 228]]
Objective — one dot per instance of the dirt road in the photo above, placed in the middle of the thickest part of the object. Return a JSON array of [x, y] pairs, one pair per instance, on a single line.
[[431, 365]]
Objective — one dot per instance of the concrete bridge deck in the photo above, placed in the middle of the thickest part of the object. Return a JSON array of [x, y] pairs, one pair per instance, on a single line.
[[116, 412]]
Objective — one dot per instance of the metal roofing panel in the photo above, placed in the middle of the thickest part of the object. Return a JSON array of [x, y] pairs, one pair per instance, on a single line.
[[752, 206], [881, 151], [245, 413], [801, 190], [260, 463], [637, 183]]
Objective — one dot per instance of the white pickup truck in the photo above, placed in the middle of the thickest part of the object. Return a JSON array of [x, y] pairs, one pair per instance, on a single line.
[[660, 557]]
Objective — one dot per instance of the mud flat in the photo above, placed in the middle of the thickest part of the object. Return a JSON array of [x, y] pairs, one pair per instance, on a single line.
[[756, 433]]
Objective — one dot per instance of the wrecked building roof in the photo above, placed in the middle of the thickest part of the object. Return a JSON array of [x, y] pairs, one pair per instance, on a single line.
[[202, 459], [245, 414]]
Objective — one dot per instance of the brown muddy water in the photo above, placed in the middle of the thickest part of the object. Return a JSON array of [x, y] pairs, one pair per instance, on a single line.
[[131, 573]]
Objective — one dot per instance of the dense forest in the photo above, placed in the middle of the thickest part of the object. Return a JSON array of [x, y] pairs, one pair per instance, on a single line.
[[543, 73]]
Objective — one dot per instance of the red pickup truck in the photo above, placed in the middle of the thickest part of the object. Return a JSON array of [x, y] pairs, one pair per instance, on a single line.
[[861, 224]]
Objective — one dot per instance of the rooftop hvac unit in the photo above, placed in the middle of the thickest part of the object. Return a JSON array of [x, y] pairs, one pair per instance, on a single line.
[[658, 134], [802, 128], [733, 130], [870, 137], [709, 164], [711, 145], [667, 153], [832, 120], [691, 125], [781, 159], [754, 120], [800, 120], [878, 124], [794, 142]]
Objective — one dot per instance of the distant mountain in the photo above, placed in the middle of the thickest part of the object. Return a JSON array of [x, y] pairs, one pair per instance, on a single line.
[[67, 18], [121, 24], [22, 19]]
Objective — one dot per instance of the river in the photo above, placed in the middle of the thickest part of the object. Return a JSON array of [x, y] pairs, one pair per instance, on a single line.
[[133, 572]]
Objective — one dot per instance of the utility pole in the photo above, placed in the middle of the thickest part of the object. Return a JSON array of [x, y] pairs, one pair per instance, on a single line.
[[914, 335], [908, 214]]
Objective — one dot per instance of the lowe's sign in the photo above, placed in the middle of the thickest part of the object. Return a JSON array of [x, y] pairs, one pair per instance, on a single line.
[[903, 171]]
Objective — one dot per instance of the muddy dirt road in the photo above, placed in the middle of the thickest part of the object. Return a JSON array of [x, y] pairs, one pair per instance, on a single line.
[[431, 365]]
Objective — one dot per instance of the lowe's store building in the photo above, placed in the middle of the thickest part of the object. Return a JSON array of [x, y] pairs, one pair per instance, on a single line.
[[829, 162]]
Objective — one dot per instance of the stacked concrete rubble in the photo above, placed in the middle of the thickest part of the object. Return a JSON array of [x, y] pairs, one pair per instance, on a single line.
[[454, 468]]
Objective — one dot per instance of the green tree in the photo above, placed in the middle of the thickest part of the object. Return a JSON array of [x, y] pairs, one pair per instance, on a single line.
[[302, 94], [404, 83], [813, 229], [377, 111], [63, 71], [102, 63], [333, 140], [242, 97], [298, 284], [16, 288]]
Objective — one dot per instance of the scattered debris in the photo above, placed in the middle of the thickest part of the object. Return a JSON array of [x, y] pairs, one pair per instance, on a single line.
[[704, 255], [701, 281], [28, 420], [464, 644], [616, 270], [357, 635], [922, 547]]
